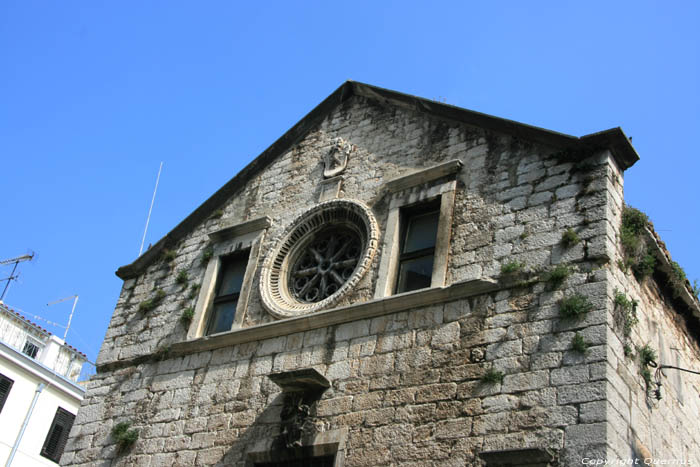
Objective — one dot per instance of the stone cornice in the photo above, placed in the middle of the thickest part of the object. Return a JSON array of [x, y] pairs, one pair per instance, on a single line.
[[335, 316], [424, 176]]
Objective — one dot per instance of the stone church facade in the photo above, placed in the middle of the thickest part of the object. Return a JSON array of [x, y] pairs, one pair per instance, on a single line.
[[397, 281]]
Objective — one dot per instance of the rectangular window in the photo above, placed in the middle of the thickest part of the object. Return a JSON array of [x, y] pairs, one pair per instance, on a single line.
[[58, 435], [30, 349], [417, 251], [5, 386], [228, 290]]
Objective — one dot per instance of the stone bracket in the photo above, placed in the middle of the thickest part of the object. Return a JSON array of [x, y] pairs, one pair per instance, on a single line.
[[301, 388]]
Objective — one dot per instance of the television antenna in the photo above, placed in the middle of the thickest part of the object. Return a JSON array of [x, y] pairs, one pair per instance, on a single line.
[[12, 275], [70, 318], [148, 219]]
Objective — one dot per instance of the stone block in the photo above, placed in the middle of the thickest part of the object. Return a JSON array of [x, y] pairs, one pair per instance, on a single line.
[[525, 381]]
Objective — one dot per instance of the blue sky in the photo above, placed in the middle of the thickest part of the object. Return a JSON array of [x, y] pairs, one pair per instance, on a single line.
[[94, 95]]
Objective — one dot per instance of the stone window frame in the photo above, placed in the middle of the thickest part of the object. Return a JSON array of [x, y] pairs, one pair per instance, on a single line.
[[433, 183], [230, 240], [325, 443]]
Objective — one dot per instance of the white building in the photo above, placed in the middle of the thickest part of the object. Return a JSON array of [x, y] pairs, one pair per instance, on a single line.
[[39, 393]]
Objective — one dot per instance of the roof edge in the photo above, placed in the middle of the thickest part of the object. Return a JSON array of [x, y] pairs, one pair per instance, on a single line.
[[614, 139], [291, 137]]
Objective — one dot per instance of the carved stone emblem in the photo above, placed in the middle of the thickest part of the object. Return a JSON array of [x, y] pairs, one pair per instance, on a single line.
[[336, 159]]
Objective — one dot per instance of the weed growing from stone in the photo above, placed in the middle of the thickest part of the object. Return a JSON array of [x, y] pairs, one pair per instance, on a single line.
[[556, 277], [162, 353], [217, 214], [169, 255], [647, 358], [512, 267], [644, 266], [569, 238], [627, 350], [578, 344], [678, 279], [149, 304], [207, 255], [182, 278], [647, 355], [492, 376], [187, 315], [634, 222], [574, 306], [194, 289], [637, 256], [696, 289], [124, 437], [628, 309]]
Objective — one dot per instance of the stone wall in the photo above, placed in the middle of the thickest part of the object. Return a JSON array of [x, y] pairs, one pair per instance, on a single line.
[[639, 425], [407, 386]]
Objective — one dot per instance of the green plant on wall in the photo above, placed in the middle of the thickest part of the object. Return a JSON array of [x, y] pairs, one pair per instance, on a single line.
[[574, 306], [569, 238], [678, 279], [628, 312], [187, 315], [149, 304], [182, 278], [194, 290], [492, 376], [169, 255], [556, 277], [124, 436], [579, 344], [647, 358], [637, 255], [512, 267], [207, 254]]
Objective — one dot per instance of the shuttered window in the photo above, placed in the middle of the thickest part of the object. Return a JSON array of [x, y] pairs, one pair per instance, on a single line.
[[5, 386], [58, 435]]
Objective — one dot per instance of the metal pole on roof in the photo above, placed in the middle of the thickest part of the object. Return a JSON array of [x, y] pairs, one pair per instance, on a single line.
[[148, 219], [70, 318]]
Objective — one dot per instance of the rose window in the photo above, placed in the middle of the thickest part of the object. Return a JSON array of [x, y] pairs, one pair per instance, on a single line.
[[325, 265], [319, 258]]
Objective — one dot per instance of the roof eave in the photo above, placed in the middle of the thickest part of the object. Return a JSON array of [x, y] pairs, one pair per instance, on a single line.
[[614, 139]]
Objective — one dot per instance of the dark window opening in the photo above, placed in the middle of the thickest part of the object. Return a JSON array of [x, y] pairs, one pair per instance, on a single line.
[[30, 349], [58, 435], [228, 290], [322, 461], [418, 236], [5, 386]]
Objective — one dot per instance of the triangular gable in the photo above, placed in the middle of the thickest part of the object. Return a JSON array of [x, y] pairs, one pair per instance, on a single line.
[[613, 139]]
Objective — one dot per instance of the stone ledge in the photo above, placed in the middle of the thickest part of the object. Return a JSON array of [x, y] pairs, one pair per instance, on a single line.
[[664, 264], [423, 176], [240, 229], [340, 315]]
